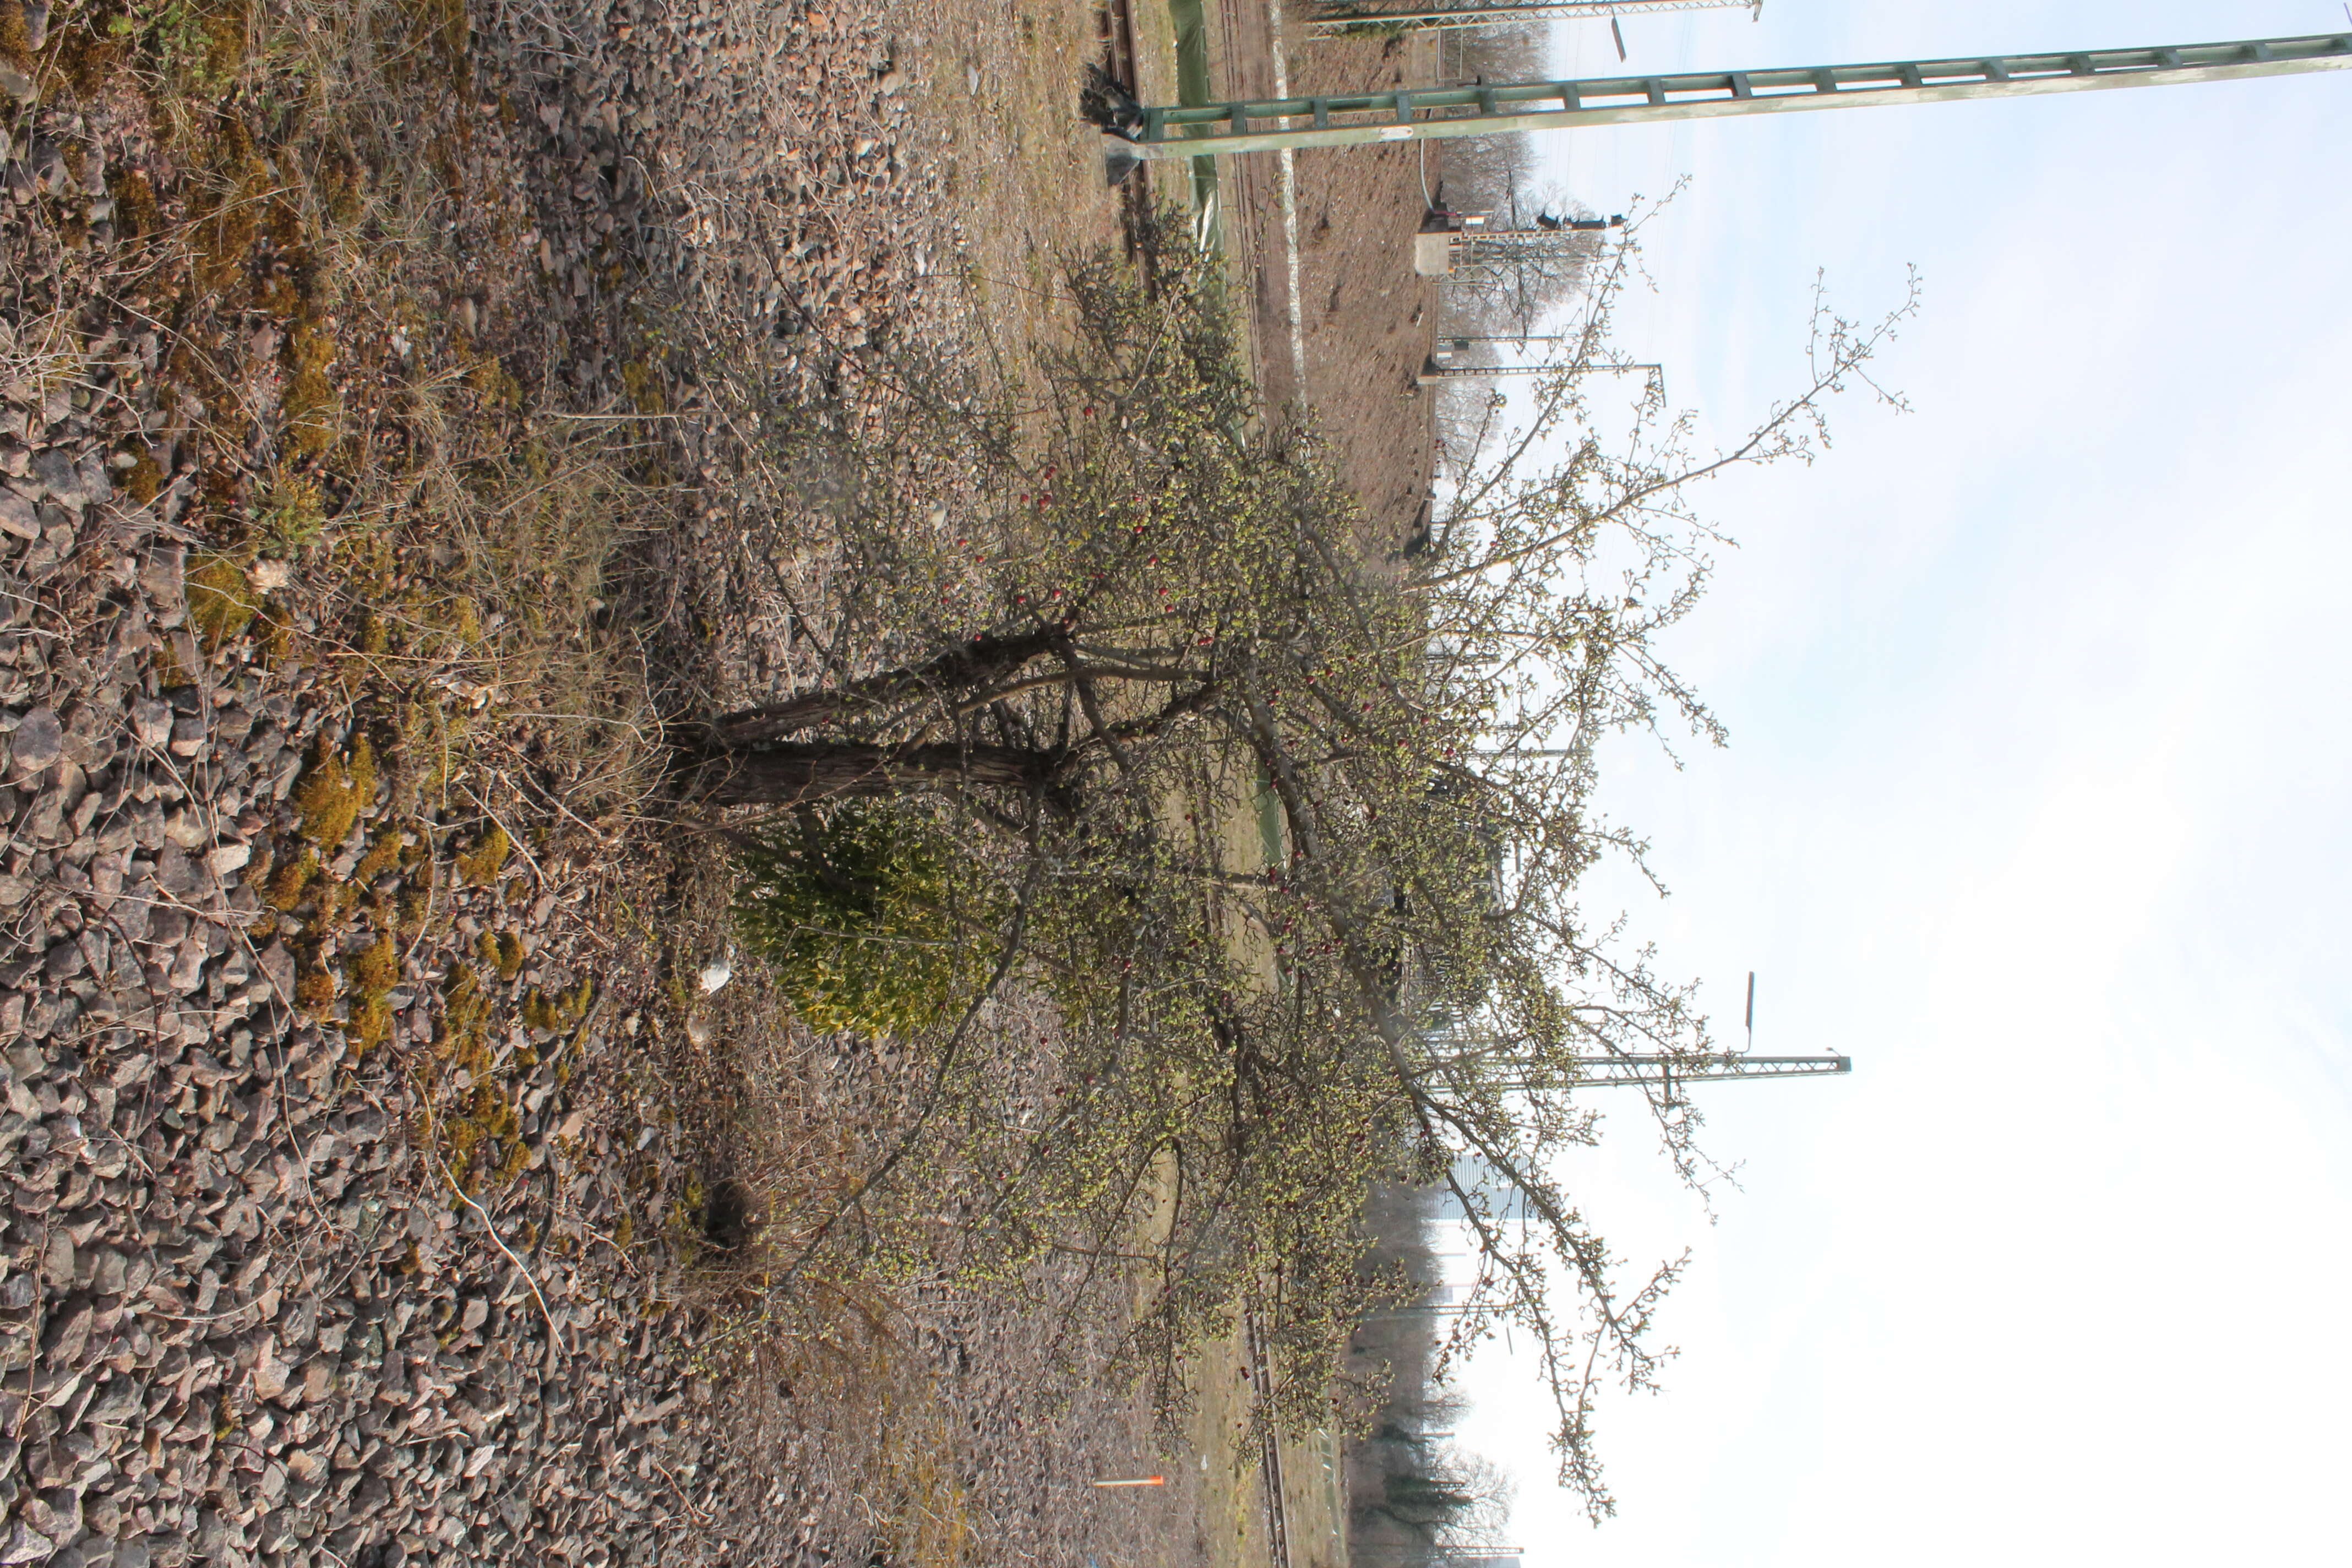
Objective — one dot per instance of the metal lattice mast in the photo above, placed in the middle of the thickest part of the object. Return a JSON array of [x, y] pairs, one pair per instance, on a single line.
[[1500, 1063], [1409, 115], [1476, 252], [1435, 370], [1344, 20], [1666, 1072]]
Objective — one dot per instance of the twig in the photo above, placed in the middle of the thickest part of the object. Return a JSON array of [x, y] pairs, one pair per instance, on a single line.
[[701, 1516], [555, 1336], [40, 1315]]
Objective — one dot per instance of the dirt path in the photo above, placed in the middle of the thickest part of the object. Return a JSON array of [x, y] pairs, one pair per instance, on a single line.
[[1367, 320]]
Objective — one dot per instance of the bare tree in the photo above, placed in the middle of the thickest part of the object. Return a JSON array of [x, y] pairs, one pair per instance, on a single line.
[[1183, 611]]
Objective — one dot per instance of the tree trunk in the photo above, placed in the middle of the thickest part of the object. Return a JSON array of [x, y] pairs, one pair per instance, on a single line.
[[793, 774], [966, 668]]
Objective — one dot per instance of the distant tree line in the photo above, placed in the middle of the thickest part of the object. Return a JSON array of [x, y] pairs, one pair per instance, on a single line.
[[1414, 1495]]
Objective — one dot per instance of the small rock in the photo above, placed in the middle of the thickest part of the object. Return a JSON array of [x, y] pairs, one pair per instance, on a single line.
[[53, 475], [207, 1072], [164, 578], [23, 1545], [39, 740], [16, 513], [68, 1334], [56, 1514], [228, 857], [150, 721], [54, 546], [269, 1379], [278, 968], [44, 823]]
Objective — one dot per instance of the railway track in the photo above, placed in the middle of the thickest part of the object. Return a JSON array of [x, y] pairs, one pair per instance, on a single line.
[[1277, 1517]]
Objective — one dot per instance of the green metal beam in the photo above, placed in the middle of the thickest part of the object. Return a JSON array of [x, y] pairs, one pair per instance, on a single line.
[[1346, 120]]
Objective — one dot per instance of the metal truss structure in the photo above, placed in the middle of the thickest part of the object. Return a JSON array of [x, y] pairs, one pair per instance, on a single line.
[[1409, 115]]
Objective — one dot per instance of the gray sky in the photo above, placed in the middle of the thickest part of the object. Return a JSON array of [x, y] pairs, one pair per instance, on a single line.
[[2035, 804]]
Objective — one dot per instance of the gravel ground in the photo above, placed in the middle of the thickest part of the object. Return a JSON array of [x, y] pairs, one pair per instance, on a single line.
[[246, 1314], [245, 1318]]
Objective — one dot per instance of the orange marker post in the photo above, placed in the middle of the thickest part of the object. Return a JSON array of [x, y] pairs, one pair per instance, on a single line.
[[1136, 1481]]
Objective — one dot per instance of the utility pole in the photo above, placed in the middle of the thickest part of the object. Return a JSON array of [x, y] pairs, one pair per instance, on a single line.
[[1343, 19], [1413, 114]]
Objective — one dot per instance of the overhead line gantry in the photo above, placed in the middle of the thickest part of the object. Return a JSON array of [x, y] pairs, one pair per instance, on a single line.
[[1412, 114]]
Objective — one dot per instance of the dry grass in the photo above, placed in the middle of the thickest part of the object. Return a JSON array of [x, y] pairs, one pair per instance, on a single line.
[[1001, 96], [883, 1441]]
